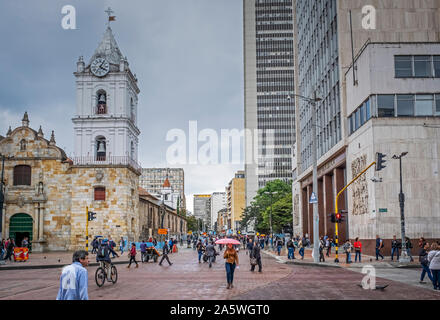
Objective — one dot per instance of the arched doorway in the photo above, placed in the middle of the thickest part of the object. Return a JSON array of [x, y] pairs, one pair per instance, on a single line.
[[20, 226]]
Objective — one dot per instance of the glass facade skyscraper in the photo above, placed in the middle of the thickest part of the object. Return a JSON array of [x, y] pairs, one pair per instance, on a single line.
[[318, 72], [269, 80]]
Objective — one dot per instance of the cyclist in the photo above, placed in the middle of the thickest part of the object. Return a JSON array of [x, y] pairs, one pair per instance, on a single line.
[[103, 257]]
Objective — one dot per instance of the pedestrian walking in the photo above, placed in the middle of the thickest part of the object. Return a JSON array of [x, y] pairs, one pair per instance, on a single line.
[[165, 252], [434, 265], [200, 249], [329, 248], [231, 263], [121, 245], [94, 245], [379, 246], [112, 245], [132, 255], [74, 278], [290, 250], [262, 243], [327, 245], [250, 246], [279, 244], [424, 262], [301, 248], [358, 250], [395, 246], [25, 243], [409, 246], [210, 253], [255, 258], [143, 247], [2, 249], [347, 249], [321, 250], [10, 245]]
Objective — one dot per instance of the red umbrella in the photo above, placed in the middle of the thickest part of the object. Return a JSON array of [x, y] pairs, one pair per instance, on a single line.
[[227, 241]]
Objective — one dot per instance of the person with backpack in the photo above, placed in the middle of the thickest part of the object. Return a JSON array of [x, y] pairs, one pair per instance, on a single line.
[[434, 265], [143, 247], [200, 249], [279, 244], [408, 246], [290, 250], [424, 262], [103, 255], [132, 255], [357, 249], [112, 245]]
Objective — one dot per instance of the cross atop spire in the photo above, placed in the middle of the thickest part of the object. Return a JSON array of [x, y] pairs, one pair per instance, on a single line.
[[109, 12]]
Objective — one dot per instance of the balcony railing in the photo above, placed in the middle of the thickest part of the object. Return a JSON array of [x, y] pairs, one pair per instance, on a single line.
[[107, 160]]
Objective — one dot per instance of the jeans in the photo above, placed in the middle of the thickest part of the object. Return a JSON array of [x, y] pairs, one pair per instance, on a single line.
[[230, 268], [436, 278], [291, 254], [358, 253], [200, 255], [121, 248], [408, 251], [348, 258], [279, 249], [262, 245], [301, 253], [394, 250], [378, 254], [426, 270]]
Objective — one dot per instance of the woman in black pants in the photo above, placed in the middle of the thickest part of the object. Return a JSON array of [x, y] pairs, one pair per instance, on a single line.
[[133, 255]]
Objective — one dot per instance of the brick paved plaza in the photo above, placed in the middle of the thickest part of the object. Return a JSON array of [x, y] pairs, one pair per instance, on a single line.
[[186, 279]]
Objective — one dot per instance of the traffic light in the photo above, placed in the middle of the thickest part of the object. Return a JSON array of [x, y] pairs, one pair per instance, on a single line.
[[338, 217], [333, 218], [380, 161], [92, 215]]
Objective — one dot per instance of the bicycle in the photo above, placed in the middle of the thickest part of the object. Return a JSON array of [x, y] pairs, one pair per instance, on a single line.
[[101, 274]]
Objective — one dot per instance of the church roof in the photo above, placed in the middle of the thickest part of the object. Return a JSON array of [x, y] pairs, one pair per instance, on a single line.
[[167, 183], [108, 48]]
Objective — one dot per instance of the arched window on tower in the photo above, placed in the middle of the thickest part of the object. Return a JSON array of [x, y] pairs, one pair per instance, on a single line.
[[101, 103], [101, 149], [23, 145]]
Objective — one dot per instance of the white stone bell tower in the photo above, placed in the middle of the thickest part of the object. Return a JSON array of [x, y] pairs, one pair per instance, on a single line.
[[105, 124]]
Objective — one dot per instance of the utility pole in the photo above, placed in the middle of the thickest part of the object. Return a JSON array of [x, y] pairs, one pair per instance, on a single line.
[[315, 184]]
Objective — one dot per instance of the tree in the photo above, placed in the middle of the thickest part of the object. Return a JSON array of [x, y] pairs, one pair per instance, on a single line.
[[192, 223], [281, 214]]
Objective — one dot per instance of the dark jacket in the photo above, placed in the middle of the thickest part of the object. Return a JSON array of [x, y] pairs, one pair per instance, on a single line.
[[423, 257], [210, 250], [256, 252], [395, 244], [166, 249]]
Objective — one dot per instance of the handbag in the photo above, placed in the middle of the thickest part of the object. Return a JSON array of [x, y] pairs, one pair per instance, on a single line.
[[253, 261]]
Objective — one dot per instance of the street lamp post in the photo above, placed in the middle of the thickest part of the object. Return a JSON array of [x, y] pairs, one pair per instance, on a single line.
[[404, 255], [270, 215], [315, 174]]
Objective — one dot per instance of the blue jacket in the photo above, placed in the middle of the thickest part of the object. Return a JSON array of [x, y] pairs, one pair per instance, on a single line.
[[73, 283]]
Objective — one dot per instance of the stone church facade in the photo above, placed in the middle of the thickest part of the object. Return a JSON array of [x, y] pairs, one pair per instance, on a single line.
[[47, 194]]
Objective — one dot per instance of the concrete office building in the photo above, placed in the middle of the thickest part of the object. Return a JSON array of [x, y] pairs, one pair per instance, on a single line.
[[388, 105], [268, 69], [202, 209], [218, 202]]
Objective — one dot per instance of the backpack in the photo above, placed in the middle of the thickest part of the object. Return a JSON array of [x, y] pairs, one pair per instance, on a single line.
[[102, 252]]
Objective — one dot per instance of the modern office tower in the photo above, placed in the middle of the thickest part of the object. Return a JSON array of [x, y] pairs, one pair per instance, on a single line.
[[269, 113], [235, 202], [218, 202], [202, 209], [152, 180], [372, 65]]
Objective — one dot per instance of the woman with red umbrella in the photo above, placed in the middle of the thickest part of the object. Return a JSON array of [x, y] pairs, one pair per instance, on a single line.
[[231, 257]]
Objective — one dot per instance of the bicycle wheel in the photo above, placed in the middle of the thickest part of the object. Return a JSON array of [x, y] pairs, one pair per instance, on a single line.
[[100, 277], [114, 274]]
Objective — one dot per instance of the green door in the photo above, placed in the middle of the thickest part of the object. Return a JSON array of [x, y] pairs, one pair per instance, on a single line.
[[20, 226]]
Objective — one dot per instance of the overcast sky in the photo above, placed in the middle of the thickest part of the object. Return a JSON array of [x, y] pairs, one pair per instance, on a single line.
[[187, 55]]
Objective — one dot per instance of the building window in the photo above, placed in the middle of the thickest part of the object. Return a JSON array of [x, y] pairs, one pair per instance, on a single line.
[[437, 104], [424, 105], [368, 110], [405, 105], [422, 66], [403, 66], [100, 194], [101, 148], [362, 112], [22, 175], [437, 66], [385, 105]]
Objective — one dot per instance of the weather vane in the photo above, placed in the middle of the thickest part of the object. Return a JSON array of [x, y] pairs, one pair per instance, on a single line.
[[109, 12]]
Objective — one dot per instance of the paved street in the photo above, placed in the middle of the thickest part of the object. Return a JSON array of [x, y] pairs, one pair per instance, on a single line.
[[186, 279]]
